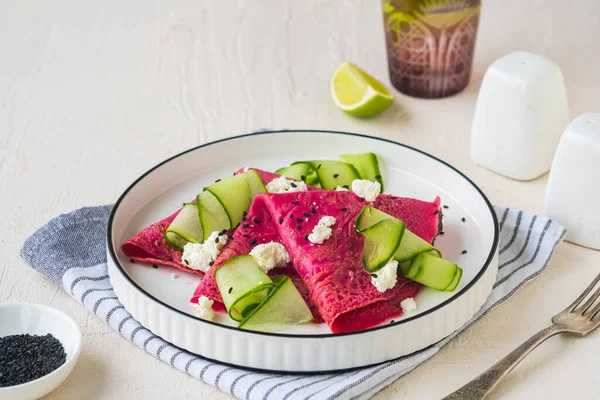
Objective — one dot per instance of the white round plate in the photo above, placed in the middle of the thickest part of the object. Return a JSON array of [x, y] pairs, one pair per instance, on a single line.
[[161, 303]]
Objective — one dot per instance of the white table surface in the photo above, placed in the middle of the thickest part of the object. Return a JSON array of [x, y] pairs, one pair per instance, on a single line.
[[94, 94]]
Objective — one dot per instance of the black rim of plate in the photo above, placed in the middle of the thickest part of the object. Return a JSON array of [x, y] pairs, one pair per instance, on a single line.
[[485, 267]]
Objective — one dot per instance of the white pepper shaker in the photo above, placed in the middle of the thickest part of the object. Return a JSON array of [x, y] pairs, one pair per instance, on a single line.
[[520, 115], [574, 182]]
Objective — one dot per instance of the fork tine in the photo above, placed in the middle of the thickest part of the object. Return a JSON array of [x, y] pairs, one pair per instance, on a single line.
[[574, 305], [588, 304], [594, 313]]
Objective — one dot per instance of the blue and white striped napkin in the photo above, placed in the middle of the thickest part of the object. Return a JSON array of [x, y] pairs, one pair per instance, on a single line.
[[70, 250]]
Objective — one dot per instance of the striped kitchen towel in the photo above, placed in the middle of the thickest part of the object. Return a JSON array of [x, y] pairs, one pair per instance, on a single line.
[[71, 251]]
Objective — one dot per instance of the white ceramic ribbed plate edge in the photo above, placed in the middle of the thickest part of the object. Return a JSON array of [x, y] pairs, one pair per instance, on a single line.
[[296, 352]]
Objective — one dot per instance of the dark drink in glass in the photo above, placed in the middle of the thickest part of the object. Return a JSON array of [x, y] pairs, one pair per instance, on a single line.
[[430, 45]]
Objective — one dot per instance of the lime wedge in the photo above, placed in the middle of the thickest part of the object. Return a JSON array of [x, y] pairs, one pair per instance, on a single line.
[[357, 93]]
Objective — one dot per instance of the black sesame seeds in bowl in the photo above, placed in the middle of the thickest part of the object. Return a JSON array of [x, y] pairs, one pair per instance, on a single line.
[[28, 357], [39, 347]]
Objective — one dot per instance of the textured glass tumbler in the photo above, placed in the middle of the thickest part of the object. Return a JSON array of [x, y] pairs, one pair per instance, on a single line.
[[430, 45]]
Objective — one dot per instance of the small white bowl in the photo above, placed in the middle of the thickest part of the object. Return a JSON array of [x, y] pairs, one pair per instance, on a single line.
[[37, 319]]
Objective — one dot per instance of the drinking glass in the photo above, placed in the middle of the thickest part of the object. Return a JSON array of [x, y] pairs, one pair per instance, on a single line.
[[430, 45]]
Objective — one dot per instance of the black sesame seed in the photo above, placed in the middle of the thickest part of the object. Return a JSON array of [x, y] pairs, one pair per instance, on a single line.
[[302, 178], [295, 201], [377, 176], [436, 212], [245, 213], [291, 215], [392, 321], [374, 276], [280, 221], [344, 209], [298, 227], [154, 266], [230, 237], [230, 289], [184, 204], [218, 180], [245, 234], [211, 263], [346, 187], [319, 166], [464, 252], [336, 175], [244, 218], [305, 237], [185, 262], [217, 239], [463, 219], [312, 210], [28, 357], [256, 221], [253, 241], [293, 185], [307, 214], [441, 233], [445, 206], [299, 219], [222, 232], [245, 225], [132, 261]]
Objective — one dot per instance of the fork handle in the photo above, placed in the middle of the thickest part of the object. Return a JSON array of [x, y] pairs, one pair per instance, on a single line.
[[481, 386]]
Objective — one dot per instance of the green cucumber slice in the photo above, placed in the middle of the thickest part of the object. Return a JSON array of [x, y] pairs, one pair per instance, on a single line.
[[411, 246], [212, 214], [367, 166], [185, 227], [282, 308], [386, 237], [243, 285], [383, 235], [300, 171], [334, 173], [456, 281], [237, 192], [434, 272]]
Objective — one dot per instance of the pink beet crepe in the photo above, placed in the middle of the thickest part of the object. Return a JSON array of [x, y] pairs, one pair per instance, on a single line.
[[150, 247], [334, 283]]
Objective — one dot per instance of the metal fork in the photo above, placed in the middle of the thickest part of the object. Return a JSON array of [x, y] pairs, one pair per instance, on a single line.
[[574, 320]]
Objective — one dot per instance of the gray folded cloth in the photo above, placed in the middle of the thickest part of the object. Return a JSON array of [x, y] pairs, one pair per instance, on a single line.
[[71, 251]]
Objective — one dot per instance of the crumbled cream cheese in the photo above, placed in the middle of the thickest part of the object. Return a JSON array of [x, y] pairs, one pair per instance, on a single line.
[[322, 231], [203, 309], [408, 305], [386, 277], [246, 169], [284, 185], [198, 256], [341, 189], [366, 189], [270, 255]]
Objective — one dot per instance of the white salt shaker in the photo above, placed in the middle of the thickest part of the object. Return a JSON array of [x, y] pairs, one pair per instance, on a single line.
[[520, 114], [574, 182]]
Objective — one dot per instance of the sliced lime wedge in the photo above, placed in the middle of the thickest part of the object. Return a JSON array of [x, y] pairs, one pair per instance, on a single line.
[[357, 93]]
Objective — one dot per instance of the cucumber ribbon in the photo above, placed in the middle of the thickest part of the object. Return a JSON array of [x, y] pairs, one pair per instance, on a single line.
[[255, 300], [220, 207], [386, 239]]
